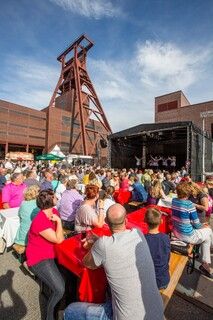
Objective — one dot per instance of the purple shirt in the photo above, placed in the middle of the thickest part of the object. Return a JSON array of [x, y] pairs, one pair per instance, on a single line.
[[69, 203], [13, 194]]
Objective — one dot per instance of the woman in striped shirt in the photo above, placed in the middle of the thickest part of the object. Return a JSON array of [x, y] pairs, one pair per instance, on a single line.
[[187, 226]]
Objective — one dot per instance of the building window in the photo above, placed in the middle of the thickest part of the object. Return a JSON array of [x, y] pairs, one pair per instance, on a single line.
[[19, 112], [212, 130], [3, 110], [17, 134], [37, 117], [167, 106], [66, 134], [66, 121], [90, 125], [18, 125], [36, 137], [76, 125], [39, 129], [64, 146]]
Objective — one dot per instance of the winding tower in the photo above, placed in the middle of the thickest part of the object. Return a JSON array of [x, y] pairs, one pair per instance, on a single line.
[[83, 124]]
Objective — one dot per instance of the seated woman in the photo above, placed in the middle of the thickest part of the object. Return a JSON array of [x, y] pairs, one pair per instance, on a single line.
[[138, 192], [87, 216], [27, 212], [115, 181], [200, 199], [93, 179], [125, 182], [155, 192], [70, 202], [187, 226], [61, 187], [46, 231], [107, 198]]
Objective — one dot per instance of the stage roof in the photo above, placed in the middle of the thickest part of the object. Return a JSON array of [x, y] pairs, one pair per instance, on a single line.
[[149, 127]]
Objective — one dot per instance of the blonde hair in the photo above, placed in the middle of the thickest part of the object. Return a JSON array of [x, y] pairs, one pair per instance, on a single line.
[[31, 193], [195, 189], [156, 189]]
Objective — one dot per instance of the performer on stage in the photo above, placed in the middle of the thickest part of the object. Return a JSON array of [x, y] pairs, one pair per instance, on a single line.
[[155, 162], [138, 162], [173, 163], [165, 163]]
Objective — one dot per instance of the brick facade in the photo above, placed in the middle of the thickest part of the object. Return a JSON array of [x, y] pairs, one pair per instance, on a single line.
[[21, 128], [175, 107], [26, 129]]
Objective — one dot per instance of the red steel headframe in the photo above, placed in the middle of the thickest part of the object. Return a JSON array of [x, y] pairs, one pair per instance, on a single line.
[[78, 77]]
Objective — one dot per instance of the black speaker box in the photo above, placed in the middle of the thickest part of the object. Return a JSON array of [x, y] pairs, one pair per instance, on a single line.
[[103, 143]]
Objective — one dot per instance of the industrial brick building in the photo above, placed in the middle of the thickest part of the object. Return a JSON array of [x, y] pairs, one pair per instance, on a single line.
[[173, 107], [22, 129], [30, 130], [74, 119]]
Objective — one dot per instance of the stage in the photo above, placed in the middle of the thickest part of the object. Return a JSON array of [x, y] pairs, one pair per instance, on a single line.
[[180, 139]]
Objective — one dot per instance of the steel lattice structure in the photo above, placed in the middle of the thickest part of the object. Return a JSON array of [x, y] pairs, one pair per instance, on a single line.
[[85, 103]]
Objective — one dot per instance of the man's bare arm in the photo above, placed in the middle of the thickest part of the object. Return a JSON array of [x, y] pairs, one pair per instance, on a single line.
[[88, 261]]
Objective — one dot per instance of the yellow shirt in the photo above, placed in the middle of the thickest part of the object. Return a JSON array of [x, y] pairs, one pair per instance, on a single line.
[[86, 179]]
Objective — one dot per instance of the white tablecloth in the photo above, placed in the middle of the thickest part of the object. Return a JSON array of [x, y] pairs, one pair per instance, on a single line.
[[9, 224]]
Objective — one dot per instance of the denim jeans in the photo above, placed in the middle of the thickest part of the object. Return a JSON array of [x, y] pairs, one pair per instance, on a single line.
[[88, 311], [48, 272]]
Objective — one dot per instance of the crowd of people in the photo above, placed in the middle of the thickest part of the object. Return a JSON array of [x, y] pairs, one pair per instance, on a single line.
[[55, 196]]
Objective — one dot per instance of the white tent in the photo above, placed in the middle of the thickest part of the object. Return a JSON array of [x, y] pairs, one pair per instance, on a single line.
[[57, 151]]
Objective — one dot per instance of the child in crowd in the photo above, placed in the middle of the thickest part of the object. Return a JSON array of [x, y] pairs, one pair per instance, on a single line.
[[159, 246]]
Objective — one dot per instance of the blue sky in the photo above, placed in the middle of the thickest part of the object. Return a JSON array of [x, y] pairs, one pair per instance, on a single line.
[[143, 48]]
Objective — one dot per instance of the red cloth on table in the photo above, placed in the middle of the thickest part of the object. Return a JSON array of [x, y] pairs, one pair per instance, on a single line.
[[137, 219], [93, 283], [1, 204], [93, 286], [122, 197]]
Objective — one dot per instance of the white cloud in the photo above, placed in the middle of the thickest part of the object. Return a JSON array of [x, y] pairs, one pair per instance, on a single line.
[[121, 93], [126, 88], [28, 82], [90, 8], [166, 65]]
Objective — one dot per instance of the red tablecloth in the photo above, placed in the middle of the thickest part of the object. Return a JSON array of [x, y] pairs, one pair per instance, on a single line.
[[122, 197], [93, 283], [137, 218], [1, 204]]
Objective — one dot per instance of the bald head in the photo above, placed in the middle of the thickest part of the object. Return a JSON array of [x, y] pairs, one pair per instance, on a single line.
[[115, 216]]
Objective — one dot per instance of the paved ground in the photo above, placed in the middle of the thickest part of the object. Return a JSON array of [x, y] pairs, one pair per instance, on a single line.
[[19, 296]]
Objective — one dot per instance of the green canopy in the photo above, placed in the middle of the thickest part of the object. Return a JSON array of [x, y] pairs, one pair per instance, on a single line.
[[49, 156]]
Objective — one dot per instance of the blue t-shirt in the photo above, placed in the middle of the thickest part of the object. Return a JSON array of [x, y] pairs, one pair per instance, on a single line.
[[138, 192], [159, 246]]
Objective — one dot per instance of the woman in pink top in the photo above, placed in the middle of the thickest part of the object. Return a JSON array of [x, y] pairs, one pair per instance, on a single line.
[[45, 231], [125, 183], [13, 193]]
